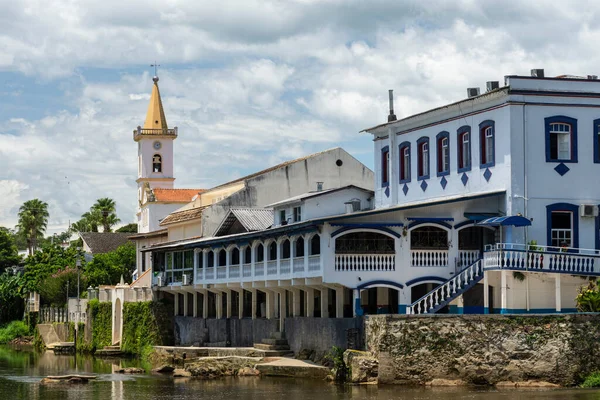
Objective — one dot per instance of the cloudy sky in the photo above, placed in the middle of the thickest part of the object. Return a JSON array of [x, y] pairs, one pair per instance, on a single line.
[[249, 83]]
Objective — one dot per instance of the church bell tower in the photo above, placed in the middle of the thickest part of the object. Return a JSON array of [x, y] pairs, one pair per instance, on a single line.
[[155, 148]]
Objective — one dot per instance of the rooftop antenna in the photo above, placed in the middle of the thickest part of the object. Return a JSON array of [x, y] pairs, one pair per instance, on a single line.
[[155, 65]]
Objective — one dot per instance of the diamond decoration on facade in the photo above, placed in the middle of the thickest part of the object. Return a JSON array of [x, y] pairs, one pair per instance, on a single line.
[[444, 182], [561, 169], [464, 179], [387, 192], [487, 174], [423, 185], [405, 189]]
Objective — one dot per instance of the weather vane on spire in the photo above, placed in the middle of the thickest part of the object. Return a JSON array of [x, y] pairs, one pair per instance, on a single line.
[[155, 65]]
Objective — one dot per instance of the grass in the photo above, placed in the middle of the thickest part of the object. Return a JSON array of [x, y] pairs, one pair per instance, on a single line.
[[592, 381], [13, 330]]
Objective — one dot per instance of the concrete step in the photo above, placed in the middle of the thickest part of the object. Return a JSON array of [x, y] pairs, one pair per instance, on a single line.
[[112, 347], [278, 335], [277, 347], [274, 341], [294, 368], [215, 344]]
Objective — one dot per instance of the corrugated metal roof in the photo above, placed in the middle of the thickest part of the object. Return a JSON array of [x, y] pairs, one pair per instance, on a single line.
[[252, 219], [305, 196]]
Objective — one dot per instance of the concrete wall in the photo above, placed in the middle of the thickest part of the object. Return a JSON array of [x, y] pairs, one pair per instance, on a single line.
[[320, 334], [485, 349]]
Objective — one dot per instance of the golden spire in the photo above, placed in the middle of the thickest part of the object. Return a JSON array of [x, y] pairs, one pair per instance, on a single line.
[[155, 118]]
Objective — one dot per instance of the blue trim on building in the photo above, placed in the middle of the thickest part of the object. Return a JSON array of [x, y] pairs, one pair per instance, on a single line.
[[466, 161], [434, 221], [367, 224], [536, 311], [400, 147], [401, 308], [379, 282], [566, 120], [384, 166], [440, 136], [386, 230], [485, 124], [562, 207], [358, 310], [598, 231], [452, 309], [424, 139], [464, 223], [425, 279], [596, 140]]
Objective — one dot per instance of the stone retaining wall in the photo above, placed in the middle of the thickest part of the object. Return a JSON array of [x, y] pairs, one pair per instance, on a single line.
[[485, 349]]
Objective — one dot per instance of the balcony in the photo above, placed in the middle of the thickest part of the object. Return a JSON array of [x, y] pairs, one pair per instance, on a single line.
[[516, 257], [140, 132]]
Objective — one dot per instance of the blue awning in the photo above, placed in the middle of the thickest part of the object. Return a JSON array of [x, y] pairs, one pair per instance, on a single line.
[[509, 220]]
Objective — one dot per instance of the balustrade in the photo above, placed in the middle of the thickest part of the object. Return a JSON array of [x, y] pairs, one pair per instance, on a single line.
[[209, 273], [284, 266], [247, 270], [468, 257], [298, 264], [234, 271], [259, 269], [365, 262], [314, 263], [221, 272], [272, 267], [429, 258]]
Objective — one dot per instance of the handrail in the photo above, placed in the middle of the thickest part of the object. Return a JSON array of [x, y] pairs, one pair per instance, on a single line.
[[541, 249]]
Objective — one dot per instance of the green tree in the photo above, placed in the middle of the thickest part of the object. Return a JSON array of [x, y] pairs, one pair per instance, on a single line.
[[33, 220], [43, 264], [62, 284], [129, 228], [106, 208], [11, 297], [89, 222], [9, 255], [107, 268]]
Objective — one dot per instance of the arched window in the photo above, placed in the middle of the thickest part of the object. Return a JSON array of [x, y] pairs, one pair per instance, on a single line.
[[443, 153], [315, 245], [299, 247], [210, 259], [272, 251], [235, 256], [404, 152], [260, 253], [285, 249], [364, 243], [561, 139], [156, 163], [428, 238], [423, 158], [248, 255], [222, 258], [385, 166], [487, 144], [464, 148]]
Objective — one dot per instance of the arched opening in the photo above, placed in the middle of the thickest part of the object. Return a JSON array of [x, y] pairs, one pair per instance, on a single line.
[[315, 245], [365, 251], [235, 256], [259, 253], [299, 247], [379, 300], [429, 247], [222, 258], [210, 259], [247, 255], [156, 163], [471, 243], [272, 251], [118, 321], [285, 249]]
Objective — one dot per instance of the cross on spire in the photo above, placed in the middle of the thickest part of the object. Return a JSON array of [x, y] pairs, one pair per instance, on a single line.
[[155, 65]]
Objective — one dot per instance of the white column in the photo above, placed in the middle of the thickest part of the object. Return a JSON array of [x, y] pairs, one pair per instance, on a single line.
[[241, 304], [278, 243], [296, 303], [195, 269], [219, 305], [306, 247], [270, 304], [282, 310], [254, 300], [339, 303], [228, 302], [356, 306], [557, 292], [227, 263], [195, 305], [204, 265], [185, 304], [324, 303], [176, 303], [310, 302], [205, 304], [486, 293], [503, 292]]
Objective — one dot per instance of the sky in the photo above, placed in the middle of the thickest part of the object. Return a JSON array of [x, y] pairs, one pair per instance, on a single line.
[[248, 83]]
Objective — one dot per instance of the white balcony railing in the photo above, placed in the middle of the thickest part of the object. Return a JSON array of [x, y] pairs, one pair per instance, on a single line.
[[284, 266], [365, 262], [234, 271], [272, 267], [298, 264], [314, 263], [247, 270], [467, 257], [259, 269], [209, 273], [221, 272], [429, 258]]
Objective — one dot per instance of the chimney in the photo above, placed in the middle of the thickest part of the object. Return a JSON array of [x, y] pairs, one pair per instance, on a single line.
[[491, 85], [537, 73], [349, 207], [472, 92], [592, 77], [392, 116], [319, 186]]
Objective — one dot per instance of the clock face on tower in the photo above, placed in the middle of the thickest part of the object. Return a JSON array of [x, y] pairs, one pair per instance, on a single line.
[[157, 145]]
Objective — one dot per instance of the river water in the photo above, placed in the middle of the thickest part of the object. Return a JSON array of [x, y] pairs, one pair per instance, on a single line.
[[21, 371]]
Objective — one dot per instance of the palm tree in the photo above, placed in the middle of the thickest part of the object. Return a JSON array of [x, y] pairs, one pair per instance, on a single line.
[[33, 220], [90, 221], [108, 215]]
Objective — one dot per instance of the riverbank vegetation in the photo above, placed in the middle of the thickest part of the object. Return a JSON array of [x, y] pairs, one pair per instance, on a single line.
[[12, 331]]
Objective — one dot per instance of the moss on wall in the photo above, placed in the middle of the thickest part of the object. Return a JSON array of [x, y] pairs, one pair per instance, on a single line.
[[145, 324], [100, 317]]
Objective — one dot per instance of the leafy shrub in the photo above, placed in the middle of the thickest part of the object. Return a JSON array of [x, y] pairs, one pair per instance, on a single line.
[[588, 299], [13, 330], [592, 381], [336, 355]]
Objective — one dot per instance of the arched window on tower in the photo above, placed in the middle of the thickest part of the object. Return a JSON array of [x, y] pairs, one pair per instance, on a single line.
[[157, 163]]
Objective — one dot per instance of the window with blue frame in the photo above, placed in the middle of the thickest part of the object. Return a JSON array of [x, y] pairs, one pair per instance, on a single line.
[[464, 148], [443, 153], [596, 143], [404, 153], [562, 224], [385, 166], [423, 158], [487, 145], [561, 139]]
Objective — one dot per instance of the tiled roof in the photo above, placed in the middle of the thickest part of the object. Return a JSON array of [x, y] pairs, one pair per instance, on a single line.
[[175, 195], [145, 235], [252, 219], [323, 192], [181, 216], [101, 242]]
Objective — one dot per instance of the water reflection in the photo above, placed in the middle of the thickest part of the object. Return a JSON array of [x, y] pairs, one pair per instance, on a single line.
[[21, 371]]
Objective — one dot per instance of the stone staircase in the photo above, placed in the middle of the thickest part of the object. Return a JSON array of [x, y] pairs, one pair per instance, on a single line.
[[110, 351], [275, 346]]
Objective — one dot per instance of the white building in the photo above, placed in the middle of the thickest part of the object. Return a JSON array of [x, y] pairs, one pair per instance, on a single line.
[[501, 169]]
